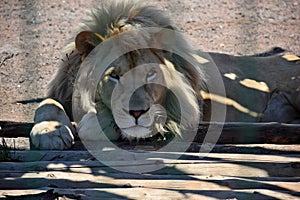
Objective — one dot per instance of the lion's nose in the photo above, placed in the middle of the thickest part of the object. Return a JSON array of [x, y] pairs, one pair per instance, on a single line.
[[137, 113]]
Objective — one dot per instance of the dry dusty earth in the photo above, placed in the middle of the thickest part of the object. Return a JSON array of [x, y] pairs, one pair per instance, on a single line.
[[32, 34]]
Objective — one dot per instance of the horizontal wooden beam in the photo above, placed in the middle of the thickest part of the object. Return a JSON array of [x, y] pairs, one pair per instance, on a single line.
[[252, 133], [232, 133], [190, 163], [83, 155], [15, 129], [182, 182], [80, 155]]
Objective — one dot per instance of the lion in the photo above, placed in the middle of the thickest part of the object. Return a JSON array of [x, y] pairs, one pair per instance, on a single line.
[[160, 88]]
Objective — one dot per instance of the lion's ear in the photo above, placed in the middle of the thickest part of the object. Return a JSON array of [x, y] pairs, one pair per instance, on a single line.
[[86, 41]]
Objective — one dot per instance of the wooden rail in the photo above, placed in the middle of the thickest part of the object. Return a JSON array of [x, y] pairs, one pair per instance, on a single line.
[[232, 133]]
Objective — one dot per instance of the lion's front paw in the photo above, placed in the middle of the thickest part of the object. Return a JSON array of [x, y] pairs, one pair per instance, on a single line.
[[91, 128], [51, 135]]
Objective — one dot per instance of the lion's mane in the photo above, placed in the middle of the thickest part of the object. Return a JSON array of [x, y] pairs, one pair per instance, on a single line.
[[187, 78]]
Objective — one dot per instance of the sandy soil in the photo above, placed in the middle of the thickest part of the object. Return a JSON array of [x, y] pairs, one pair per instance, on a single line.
[[33, 33]]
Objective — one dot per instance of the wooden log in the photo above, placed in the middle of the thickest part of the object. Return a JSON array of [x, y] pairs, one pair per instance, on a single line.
[[21, 143], [257, 133], [233, 133], [271, 149], [15, 129]]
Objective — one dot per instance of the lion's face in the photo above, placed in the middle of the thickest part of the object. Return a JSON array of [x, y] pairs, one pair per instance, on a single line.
[[137, 104], [146, 91]]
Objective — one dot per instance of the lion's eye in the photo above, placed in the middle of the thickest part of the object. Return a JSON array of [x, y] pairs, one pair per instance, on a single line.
[[114, 77], [151, 75]]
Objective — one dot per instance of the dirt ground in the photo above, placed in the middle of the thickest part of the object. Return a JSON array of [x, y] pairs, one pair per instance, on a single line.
[[32, 34]]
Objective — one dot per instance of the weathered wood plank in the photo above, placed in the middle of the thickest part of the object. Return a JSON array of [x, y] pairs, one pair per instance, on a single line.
[[17, 144], [151, 176], [146, 193], [271, 149], [31, 156], [23, 144], [257, 133], [172, 182], [233, 133], [214, 164]]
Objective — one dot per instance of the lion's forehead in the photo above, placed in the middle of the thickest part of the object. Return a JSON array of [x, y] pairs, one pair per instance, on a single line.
[[134, 59]]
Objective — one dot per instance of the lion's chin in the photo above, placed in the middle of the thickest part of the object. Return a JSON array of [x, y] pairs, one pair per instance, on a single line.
[[137, 132]]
